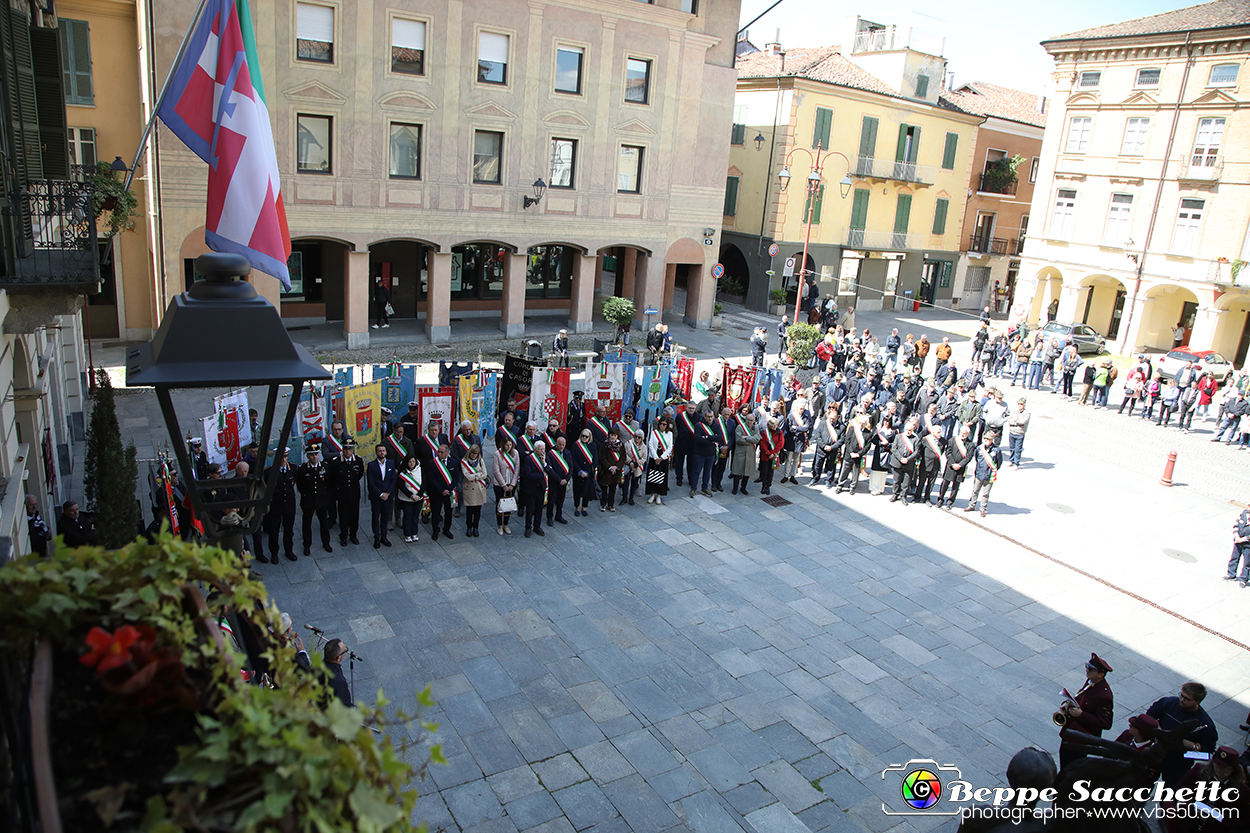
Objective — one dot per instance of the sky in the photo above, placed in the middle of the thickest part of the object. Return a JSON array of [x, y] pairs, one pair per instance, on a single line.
[[984, 42]]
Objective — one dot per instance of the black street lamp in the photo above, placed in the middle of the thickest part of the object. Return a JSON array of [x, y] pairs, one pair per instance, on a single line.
[[221, 334], [540, 188]]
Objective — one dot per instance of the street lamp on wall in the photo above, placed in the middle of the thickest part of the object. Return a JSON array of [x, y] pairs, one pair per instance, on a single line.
[[221, 334], [540, 188], [759, 141]]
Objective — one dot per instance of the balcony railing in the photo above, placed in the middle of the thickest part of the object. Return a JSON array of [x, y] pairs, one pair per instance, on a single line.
[[1017, 246], [995, 185], [1207, 170], [874, 168], [889, 240], [877, 40], [54, 232], [986, 245]]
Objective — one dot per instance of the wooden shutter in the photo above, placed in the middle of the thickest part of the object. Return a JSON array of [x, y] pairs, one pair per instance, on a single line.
[[900, 153], [902, 213], [19, 79], [50, 102], [948, 154], [922, 86], [939, 215], [868, 137], [824, 124], [75, 37], [859, 209], [731, 196], [915, 144], [807, 205]]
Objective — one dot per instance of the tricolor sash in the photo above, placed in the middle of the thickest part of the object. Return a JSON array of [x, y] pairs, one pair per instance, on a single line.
[[465, 445], [432, 443], [443, 470], [541, 468], [910, 449], [963, 450], [510, 463], [932, 443], [397, 447], [414, 485], [469, 469], [989, 461], [526, 443], [564, 466], [586, 455], [685, 417], [595, 422], [338, 446], [723, 430], [859, 435], [663, 445], [632, 448]]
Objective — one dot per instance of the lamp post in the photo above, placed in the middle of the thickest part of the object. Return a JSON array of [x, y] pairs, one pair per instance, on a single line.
[[221, 334], [814, 183]]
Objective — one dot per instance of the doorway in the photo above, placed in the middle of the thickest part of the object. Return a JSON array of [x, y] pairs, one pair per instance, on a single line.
[[1243, 342], [1113, 329], [1188, 313]]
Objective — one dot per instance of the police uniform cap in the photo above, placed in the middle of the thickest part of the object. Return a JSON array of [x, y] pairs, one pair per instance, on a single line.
[[1097, 663], [349, 443], [196, 441], [314, 448], [412, 404]]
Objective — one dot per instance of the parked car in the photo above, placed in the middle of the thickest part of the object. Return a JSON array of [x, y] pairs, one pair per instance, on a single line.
[[1171, 362], [1087, 339]]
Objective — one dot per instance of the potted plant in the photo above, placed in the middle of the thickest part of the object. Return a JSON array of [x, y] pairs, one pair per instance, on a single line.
[[777, 302], [619, 312], [802, 339], [112, 201], [717, 318], [142, 719]]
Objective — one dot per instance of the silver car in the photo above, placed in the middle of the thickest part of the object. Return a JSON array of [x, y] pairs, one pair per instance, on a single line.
[[1087, 339]]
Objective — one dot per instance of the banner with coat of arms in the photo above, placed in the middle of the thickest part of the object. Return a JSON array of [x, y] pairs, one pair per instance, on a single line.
[[518, 375], [362, 406], [228, 431], [438, 405], [605, 385], [630, 360], [549, 395], [738, 386], [683, 377], [654, 384]]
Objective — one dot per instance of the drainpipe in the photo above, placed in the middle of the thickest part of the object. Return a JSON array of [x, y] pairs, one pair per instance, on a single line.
[[1131, 303]]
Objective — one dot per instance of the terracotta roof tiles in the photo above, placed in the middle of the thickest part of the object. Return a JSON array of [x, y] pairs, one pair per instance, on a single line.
[[1219, 14]]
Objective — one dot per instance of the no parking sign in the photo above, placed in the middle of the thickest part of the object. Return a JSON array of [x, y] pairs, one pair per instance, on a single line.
[[718, 271], [773, 249]]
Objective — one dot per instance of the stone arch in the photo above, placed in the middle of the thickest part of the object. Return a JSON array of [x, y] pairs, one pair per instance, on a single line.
[[686, 270], [737, 271], [1162, 307], [318, 278], [1048, 285]]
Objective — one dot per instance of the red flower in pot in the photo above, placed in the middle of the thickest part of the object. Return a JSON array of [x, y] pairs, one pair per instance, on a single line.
[[109, 651]]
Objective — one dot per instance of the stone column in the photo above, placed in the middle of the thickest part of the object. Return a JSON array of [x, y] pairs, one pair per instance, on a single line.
[[512, 321], [1206, 325], [357, 300], [1069, 298], [698, 296], [649, 290], [626, 266], [1130, 335], [438, 299], [582, 306], [670, 286]]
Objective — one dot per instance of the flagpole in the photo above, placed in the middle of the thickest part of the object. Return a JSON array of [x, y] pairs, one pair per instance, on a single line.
[[160, 99]]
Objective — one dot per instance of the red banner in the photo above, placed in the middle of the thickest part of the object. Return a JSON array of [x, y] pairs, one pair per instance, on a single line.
[[549, 394], [170, 504], [739, 385], [684, 376]]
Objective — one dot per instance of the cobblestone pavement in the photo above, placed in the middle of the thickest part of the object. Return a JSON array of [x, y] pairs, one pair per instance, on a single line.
[[723, 664]]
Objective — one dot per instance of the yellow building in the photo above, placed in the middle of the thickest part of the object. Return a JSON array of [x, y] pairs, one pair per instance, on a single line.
[[103, 71], [893, 237], [1141, 207]]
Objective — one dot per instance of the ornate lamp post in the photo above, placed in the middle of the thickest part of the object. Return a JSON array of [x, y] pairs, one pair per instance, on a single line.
[[814, 183], [221, 334]]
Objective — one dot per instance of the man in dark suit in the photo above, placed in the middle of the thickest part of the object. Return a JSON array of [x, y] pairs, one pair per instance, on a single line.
[[75, 529], [314, 498], [380, 477], [281, 510], [440, 482], [903, 454], [335, 652], [345, 475]]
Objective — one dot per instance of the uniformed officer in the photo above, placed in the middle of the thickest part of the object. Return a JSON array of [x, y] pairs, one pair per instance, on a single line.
[[411, 421], [281, 510], [315, 498], [1091, 711], [387, 425], [345, 476], [199, 459]]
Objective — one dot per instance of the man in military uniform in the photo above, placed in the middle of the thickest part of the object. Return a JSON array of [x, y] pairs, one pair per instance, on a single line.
[[315, 498], [386, 424], [345, 476], [1091, 711], [576, 418], [281, 510], [411, 420], [199, 460]]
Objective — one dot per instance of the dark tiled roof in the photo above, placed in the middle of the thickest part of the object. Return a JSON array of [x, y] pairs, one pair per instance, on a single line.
[[823, 63], [1207, 16], [992, 100]]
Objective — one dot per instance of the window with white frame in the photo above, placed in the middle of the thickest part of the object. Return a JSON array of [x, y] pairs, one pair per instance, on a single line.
[[1207, 143], [492, 58], [1185, 234], [1089, 80], [408, 46], [82, 146], [1078, 134], [1148, 77], [1037, 162], [1135, 131], [563, 163], [1119, 215], [1065, 210], [1223, 75], [314, 33]]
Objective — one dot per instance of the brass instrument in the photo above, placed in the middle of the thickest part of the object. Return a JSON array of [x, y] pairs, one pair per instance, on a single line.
[[1060, 718]]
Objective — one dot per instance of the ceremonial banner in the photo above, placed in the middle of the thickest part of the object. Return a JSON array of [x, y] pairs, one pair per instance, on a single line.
[[761, 375], [488, 384], [407, 384], [344, 376], [605, 384], [227, 432], [171, 505], [772, 381], [549, 394], [518, 375], [683, 377], [438, 405], [450, 372], [654, 388], [468, 401], [738, 386], [630, 360], [363, 405]]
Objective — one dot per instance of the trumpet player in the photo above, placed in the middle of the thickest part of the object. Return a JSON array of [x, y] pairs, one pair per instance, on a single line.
[[1091, 711]]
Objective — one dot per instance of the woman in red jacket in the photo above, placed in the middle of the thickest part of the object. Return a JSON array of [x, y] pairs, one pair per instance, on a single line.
[[772, 441], [1207, 386]]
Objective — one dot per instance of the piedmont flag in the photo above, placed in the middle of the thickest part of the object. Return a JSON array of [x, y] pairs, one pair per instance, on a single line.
[[216, 106]]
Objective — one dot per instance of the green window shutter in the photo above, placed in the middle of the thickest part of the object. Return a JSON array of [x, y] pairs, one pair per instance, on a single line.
[[900, 153], [859, 209], [807, 205], [824, 124], [50, 102], [922, 86], [902, 213], [23, 100], [939, 213], [915, 144], [948, 155], [731, 196], [739, 134], [76, 62], [868, 137]]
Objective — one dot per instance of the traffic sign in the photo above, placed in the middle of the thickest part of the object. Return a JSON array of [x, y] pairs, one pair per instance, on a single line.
[[651, 311], [718, 271], [773, 249], [788, 272]]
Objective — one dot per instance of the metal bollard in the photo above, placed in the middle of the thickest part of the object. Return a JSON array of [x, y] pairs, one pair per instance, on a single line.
[[1166, 479]]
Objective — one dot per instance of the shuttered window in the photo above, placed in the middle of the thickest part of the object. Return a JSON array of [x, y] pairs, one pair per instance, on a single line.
[[948, 154], [314, 33], [820, 199], [867, 146], [492, 58], [76, 62], [908, 143], [824, 124], [902, 214], [731, 196], [408, 46], [939, 216]]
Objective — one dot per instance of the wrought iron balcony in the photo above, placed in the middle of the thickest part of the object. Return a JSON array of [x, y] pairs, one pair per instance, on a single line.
[[1017, 246], [870, 167], [986, 245], [54, 233], [857, 238], [991, 184]]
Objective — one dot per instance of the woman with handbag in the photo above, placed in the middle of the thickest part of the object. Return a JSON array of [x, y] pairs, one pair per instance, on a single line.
[[745, 465], [382, 303], [473, 479], [585, 456], [411, 499], [505, 474], [611, 470], [659, 458]]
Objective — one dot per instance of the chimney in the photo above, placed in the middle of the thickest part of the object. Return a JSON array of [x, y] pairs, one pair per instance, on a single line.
[[1041, 104], [774, 48]]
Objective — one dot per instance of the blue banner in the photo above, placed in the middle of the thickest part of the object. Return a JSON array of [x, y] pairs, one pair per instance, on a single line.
[[450, 372], [344, 377], [654, 383]]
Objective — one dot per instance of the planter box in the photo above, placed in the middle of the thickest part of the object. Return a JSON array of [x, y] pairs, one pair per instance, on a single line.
[[777, 309], [717, 320]]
